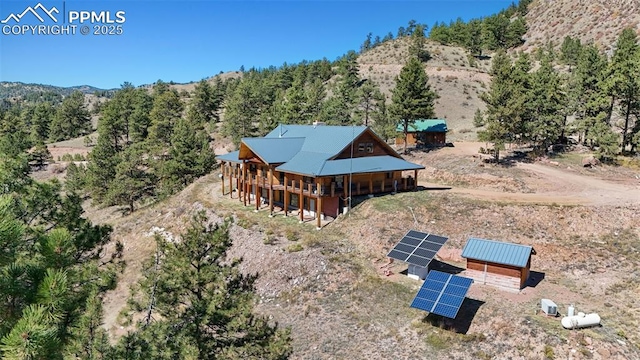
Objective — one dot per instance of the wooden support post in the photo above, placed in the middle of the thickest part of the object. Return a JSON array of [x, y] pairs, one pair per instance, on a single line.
[[333, 189], [230, 179], [238, 189], [244, 183], [224, 167], [370, 183], [319, 211], [344, 186], [258, 193], [415, 179], [286, 195], [301, 202], [357, 188], [270, 191]]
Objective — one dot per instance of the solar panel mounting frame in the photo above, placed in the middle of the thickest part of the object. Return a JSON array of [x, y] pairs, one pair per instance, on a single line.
[[417, 248], [442, 294]]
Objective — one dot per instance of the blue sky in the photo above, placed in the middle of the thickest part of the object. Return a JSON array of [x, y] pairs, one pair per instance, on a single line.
[[186, 41]]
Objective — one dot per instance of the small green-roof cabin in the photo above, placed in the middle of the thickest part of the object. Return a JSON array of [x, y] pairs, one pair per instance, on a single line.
[[423, 133]]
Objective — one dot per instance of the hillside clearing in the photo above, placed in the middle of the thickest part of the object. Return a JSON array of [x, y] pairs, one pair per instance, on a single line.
[[329, 287]]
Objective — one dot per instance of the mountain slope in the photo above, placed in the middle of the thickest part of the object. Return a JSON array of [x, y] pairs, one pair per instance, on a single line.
[[457, 82], [599, 21]]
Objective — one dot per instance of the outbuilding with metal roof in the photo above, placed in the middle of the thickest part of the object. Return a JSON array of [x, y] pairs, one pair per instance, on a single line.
[[497, 263], [424, 132]]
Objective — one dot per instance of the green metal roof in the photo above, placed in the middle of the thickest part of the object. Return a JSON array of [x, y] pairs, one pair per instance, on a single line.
[[426, 125], [307, 150], [306, 163], [497, 252], [275, 150], [325, 139], [230, 157], [367, 164]]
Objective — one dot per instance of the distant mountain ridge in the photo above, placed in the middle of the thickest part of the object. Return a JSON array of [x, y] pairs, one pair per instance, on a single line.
[[15, 89]]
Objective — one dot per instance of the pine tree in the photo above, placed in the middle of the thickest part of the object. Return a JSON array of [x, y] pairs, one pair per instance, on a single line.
[[42, 118], [587, 94], [347, 85], [440, 33], [76, 178], [192, 293], [72, 119], [478, 118], [623, 80], [295, 103], [190, 156], [475, 43], [205, 104], [417, 45], [241, 111], [140, 117], [132, 181], [14, 137], [495, 32], [166, 111], [101, 169], [89, 340], [546, 102], [39, 156], [367, 102], [504, 106], [47, 265], [412, 98], [383, 124], [570, 51], [112, 124], [515, 30], [315, 94], [366, 45]]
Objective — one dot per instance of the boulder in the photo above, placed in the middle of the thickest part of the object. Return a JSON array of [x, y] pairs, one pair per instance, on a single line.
[[590, 161]]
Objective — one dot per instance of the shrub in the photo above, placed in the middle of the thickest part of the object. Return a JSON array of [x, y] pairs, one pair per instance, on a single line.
[[295, 247], [291, 235]]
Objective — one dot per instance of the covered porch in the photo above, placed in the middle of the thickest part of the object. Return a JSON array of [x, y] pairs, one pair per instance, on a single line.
[[308, 198]]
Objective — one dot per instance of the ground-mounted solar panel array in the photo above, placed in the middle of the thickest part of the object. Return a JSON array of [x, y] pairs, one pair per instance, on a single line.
[[442, 294], [417, 248]]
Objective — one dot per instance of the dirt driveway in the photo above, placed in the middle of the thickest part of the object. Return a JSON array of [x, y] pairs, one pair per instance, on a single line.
[[551, 184]]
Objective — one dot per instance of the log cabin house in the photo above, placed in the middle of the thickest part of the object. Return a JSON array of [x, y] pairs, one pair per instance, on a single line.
[[496, 263], [314, 169], [423, 133]]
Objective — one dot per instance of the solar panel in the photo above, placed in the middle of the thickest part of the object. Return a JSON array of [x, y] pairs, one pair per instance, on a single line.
[[417, 248], [442, 294]]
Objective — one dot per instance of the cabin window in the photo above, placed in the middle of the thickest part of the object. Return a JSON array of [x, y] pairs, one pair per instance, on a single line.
[[390, 175], [369, 147], [361, 147], [307, 180], [293, 200], [281, 178]]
